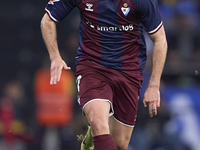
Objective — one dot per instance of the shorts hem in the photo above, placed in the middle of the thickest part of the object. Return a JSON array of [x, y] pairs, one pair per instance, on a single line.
[[96, 99], [123, 123]]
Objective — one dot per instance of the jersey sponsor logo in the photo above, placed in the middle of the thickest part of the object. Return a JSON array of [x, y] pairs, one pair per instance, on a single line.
[[52, 1], [89, 7], [125, 9], [111, 28]]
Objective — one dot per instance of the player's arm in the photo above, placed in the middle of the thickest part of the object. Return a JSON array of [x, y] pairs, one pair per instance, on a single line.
[[152, 94], [48, 28]]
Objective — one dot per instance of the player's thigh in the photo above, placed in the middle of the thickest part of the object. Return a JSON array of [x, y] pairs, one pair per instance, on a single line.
[[97, 108], [120, 133]]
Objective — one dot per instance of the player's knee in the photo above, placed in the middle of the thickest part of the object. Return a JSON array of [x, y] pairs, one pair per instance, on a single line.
[[122, 146], [97, 114], [99, 125], [122, 142]]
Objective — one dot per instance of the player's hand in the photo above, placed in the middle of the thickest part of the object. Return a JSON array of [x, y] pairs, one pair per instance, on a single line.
[[57, 64], [152, 99]]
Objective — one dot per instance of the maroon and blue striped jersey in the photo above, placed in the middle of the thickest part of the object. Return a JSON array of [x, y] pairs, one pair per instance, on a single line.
[[111, 31]]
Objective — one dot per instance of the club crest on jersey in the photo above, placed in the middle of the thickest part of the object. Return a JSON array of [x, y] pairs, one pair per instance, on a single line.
[[125, 9]]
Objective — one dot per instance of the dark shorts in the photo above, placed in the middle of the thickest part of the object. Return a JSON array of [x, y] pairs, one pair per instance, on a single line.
[[95, 82]]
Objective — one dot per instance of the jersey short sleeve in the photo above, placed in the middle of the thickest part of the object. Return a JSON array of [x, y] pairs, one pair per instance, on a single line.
[[59, 9], [148, 10]]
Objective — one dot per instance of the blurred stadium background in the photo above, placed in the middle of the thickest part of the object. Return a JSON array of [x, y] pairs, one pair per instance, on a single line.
[[24, 62]]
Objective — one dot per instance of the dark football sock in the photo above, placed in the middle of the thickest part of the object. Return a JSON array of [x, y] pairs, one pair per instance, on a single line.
[[104, 142]]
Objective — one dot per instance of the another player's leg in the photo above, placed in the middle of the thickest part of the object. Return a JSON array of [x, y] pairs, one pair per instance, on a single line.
[[97, 112], [120, 133]]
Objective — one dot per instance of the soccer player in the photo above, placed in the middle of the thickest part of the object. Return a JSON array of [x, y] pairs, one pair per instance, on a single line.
[[110, 62]]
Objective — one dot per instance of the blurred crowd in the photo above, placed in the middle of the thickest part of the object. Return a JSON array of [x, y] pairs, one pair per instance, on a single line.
[[37, 116]]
